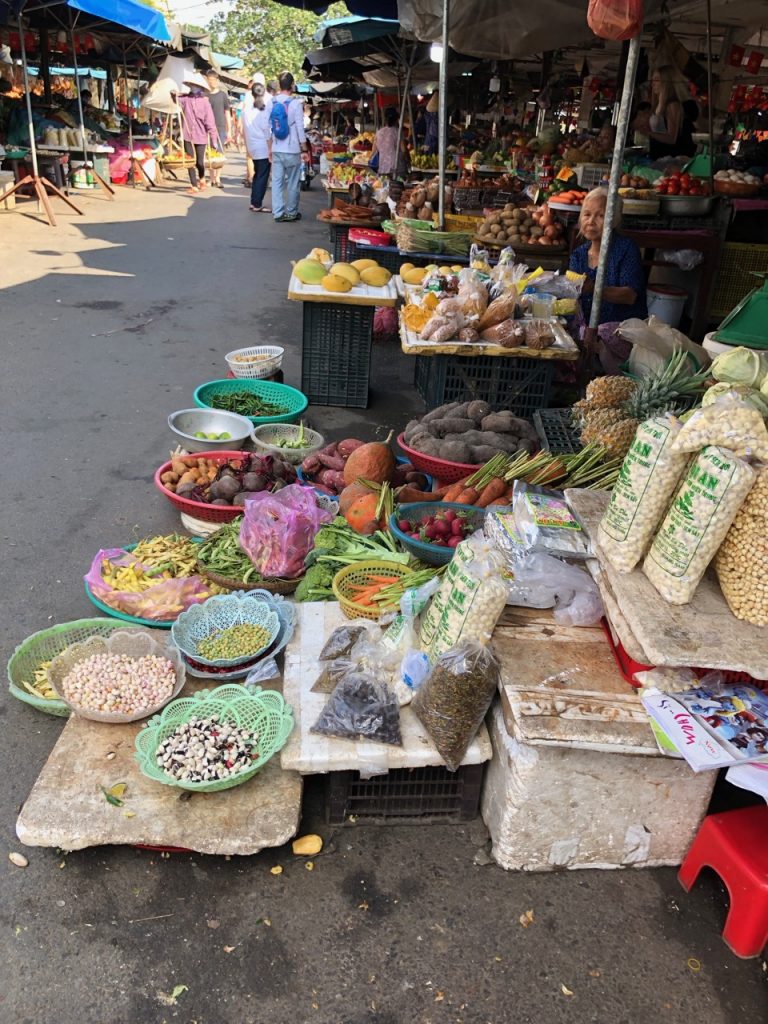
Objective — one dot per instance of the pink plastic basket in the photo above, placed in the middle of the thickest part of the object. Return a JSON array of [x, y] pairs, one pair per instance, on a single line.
[[445, 472], [199, 509]]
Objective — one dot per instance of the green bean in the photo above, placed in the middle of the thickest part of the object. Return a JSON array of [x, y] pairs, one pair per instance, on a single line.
[[222, 554], [246, 403]]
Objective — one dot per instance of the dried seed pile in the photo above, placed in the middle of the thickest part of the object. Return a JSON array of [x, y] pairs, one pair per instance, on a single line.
[[118, 683], [234, 642], [742, 561], [205, 750]]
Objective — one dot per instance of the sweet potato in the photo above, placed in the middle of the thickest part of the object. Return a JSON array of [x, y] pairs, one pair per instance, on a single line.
[[503, 423], [345, 448], [311, 465], [334, 462], [410, 430], [428, 446], [501, 442], [333, 479], [483, 453]]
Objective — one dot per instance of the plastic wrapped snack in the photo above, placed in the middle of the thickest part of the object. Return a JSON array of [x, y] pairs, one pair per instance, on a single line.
[[706, 503], [499, 310], [341, 641], [546, 523], [728, 422], [509, 334], [742, 561], [649, 475], [455, 698], [361, 708]]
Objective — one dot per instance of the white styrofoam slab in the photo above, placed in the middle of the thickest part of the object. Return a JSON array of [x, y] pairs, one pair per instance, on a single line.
[[310, 753], [360, 295]]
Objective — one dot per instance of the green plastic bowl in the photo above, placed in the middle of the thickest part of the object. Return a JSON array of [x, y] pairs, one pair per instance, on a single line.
[[45, 646], [294, 401], [263, 711]]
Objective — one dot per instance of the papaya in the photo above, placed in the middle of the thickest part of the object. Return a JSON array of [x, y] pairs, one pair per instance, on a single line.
[[336, 283], [361, 265], [350, 494], [309, 271], [346, 270], [361, 514], [373, 461], [376, 277]]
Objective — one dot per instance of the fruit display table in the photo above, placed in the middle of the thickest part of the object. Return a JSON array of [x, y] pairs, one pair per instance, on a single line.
[[337, 337]]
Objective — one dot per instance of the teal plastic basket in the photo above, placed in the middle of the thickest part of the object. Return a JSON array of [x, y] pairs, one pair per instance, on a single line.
[[45, 646], [294, 401], [263, 711]]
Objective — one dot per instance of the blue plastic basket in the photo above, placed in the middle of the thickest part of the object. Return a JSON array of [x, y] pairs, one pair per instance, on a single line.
[[413, 512], [294, 401], [219, 613]]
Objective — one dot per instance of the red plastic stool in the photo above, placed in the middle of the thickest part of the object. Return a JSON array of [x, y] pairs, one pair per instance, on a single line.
[[735, 845]]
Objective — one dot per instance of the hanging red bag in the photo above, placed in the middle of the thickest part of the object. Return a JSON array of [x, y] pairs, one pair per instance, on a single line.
[[615, 19]]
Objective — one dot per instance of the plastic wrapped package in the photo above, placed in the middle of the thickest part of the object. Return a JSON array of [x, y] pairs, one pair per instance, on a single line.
[[502, 308], [546, 523], [543, 581], [473, 295], [705, 505], [341, 641], [674, 680], [470, 600], [649, 475], [331, 674], [361, 708], [163, 601], [455, 698], [500, 529], [278, 530], [728, 422], [479, 260], [509, 334], [742, 560]]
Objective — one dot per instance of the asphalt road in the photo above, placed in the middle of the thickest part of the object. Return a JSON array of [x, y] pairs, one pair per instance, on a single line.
[[108, 323]]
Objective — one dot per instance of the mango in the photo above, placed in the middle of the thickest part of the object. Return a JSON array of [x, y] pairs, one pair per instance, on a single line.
[[457, 269], [415, 275], [336, 283], [376, 277], [405, 268], [361, 265], [309, 271], [321, 255], [445, 271], [346, 270]]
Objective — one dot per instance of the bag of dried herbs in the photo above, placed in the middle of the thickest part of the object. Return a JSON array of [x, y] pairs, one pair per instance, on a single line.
[[453, 701]]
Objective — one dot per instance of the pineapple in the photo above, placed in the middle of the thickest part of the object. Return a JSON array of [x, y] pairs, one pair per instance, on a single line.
[[599, 420], [617, 438], [609, 392], [672, 390]]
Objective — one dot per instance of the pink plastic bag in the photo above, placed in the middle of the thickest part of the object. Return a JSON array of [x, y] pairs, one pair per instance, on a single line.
[[278, 530], [615, 19], [164, 601]]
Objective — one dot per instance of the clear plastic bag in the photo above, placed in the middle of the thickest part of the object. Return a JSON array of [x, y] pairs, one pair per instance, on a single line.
[[455, 698], [165, 600], [361, 708], [341, 641], [653, 342], [502, 308], [278, 530], [473, 295], [542, 581], [728, 422], [649, 475], [546, 523], [509, 334]]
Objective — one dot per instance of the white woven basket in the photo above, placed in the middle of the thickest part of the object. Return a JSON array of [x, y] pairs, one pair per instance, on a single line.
[[257, 362], [266, 437]]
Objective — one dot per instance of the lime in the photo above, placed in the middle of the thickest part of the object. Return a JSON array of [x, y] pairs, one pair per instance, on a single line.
[[225, 436], [212, 437], [201, 435]]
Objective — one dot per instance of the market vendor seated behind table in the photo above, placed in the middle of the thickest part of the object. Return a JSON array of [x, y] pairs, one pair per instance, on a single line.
[[624, 286]]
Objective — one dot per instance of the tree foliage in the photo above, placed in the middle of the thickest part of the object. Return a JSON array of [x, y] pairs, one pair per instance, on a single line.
[[269, 37]]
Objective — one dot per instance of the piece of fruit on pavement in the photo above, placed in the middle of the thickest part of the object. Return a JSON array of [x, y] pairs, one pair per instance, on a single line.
[[609, 392], [346, 270], [376, 277], [309, 271], [336, 283]]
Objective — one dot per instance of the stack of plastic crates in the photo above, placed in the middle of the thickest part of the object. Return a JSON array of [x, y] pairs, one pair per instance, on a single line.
[[505, 382], [340, 243], [405, 794], [735, 278]]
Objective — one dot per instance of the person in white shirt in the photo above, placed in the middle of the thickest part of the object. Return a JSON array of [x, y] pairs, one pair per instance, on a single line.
[[289, 148], [258, 141]]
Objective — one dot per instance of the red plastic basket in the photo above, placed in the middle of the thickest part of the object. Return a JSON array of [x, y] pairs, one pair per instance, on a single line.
[[445, 472], [199, 509]]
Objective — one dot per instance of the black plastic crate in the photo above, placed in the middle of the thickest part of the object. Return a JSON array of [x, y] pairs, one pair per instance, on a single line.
[[336, 354], [505, 382], [405, 794], [341, 247], [557, 432]]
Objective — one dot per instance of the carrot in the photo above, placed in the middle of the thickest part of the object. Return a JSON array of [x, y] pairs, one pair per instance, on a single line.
[[500, 503], [407, 495], [495, 489], [455, 490], [468, 496]]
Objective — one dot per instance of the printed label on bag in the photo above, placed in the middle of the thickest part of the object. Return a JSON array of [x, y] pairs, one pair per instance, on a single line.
[[549, 511], [633, 479]]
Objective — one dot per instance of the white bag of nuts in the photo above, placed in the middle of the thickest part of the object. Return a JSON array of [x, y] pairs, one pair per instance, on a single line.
[[742, 561], [728, 422], [648, 477], [706, 503]]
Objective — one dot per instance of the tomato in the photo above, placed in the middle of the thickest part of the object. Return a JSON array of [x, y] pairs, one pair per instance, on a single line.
[[674, 177], [673, 188], [661, 188], [686, 179]]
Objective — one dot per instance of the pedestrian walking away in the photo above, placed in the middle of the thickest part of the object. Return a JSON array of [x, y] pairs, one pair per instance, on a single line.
[[289, 148], [198, 126], [258, 141], [222, 115]]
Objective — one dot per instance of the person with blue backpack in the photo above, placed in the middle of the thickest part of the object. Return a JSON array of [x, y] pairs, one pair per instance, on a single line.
[[289, 148]]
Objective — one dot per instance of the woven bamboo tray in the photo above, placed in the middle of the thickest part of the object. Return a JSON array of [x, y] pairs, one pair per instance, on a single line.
[[274, 586]]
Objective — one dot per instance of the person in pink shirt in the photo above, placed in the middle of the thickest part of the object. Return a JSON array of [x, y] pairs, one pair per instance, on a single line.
[[198, 125]]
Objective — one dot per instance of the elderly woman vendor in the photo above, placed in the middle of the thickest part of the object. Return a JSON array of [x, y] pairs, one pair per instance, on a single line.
[[624, 282]]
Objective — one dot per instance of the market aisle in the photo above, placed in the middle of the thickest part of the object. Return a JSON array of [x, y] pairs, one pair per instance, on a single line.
[[109, 322]]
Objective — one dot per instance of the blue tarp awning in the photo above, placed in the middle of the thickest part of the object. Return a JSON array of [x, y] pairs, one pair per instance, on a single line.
[[127, 13], [226, 62]]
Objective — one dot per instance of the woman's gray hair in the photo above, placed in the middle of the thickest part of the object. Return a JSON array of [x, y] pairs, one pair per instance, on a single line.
[[602, 195]]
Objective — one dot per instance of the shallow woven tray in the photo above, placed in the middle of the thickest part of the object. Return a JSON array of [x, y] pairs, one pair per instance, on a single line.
[[274, 586]]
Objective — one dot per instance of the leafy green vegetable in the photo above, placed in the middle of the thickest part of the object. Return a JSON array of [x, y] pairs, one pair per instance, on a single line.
[[316, 584]]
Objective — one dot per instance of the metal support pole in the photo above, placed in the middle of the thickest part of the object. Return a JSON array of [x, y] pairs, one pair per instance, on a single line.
[[443, 116], [401, 122], [710, 101], [77, 88], [622, 127], [28, 98]]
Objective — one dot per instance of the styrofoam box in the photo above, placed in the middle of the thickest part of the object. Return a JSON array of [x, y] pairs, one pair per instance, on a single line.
[[549, 808], [6, 184]]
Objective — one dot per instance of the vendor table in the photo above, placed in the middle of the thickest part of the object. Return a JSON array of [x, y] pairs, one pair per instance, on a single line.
[[576, 779], [702, 634], [336, 341], [519, 379], [336, 193], [392, 258], [79, 153], [67, 808], [46, 160], [310, 753]]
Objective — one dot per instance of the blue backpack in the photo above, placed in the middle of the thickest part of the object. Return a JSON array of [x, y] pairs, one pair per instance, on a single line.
[[278, 120]]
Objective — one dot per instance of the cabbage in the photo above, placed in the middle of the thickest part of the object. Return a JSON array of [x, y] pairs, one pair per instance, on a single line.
[[741, 366]]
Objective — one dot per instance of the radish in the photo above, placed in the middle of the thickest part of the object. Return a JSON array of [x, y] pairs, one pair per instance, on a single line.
[[442, 528], [454, 541], [457, 528], [449, 515], [404, 525]]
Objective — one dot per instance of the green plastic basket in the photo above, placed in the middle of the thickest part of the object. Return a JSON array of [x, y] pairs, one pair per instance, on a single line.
[[45, 646], [294, 401], [263, 711]]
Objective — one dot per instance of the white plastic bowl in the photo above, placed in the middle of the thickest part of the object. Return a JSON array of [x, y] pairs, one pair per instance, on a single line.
[[257, 363]]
